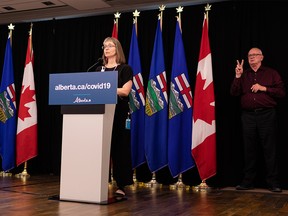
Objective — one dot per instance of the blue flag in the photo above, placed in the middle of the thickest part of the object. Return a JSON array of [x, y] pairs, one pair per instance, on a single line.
[[7, 111], [180, 111], [137, 104], [156, 108]]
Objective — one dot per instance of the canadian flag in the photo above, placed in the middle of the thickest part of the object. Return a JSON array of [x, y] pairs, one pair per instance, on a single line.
[[115, 29], [26, 139], [204, 123]]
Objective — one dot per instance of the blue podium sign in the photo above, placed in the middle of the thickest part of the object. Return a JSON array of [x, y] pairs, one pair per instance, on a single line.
[[83, 88]]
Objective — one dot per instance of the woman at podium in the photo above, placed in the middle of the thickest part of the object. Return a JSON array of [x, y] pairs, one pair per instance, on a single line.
[[114, 60]]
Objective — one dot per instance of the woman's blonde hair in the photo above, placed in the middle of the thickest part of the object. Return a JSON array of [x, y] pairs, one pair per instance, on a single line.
[[120, 57]]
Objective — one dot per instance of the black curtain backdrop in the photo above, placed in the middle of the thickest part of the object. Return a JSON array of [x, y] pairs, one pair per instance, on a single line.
[[73, 45]]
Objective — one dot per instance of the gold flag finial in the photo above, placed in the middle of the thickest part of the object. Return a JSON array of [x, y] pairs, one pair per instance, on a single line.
[[11, 28], [136, 14], [117, 15], [161, 9], [30, 31], [179, 11], [207, 9]]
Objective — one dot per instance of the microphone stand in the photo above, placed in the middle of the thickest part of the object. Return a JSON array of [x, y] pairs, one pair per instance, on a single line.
[[99, 61]]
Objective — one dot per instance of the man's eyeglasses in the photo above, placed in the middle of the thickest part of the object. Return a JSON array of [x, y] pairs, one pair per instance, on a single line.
[[109, 46], [254, 55]]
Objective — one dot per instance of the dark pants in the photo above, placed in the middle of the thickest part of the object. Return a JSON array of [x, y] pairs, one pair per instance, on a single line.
[[260, 127], [121, 147]]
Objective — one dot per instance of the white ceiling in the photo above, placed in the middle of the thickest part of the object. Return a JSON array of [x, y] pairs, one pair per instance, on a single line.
[[16, 11]]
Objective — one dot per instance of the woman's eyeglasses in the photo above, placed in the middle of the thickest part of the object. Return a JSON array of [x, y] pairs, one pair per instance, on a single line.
[[109, 46]]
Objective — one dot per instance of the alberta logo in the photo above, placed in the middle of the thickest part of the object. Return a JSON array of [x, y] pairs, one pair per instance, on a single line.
[[6, 110], [80, 100]]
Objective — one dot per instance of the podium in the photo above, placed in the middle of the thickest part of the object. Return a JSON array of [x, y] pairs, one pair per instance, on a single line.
[[85, 159], [86, 139]]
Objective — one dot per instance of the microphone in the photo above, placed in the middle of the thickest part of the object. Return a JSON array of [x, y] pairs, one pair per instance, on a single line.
[[99, 61]]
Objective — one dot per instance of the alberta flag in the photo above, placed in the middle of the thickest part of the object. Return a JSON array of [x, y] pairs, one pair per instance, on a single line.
[[156, 108], [26, 140], [8, 111], [137, 104], [180, 111], [204, 123]]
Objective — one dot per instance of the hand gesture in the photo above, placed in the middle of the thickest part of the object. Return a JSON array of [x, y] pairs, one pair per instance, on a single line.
[[256, 87], [239, 68]]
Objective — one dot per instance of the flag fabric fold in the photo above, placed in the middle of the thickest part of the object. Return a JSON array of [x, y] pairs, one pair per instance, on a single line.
[[8, 112], [115, 29], [137, 104], [180, 111], [156, 108], [26, 139], [204, 123]]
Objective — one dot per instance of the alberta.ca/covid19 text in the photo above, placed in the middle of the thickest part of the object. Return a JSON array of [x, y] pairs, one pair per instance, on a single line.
[[86, 86]]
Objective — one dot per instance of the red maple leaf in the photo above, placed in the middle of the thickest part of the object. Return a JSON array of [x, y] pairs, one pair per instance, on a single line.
[[26, 97], [203, 109]]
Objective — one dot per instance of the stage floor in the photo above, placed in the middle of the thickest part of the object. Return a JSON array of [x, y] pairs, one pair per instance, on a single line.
[[38, 195]]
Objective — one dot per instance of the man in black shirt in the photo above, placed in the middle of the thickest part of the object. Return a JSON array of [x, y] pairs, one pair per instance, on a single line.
[[258, 87]]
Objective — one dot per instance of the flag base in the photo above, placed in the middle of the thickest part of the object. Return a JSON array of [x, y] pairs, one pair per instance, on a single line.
[[5, 174], [24, 173], [179, 184], [153, 182], [202, 187]]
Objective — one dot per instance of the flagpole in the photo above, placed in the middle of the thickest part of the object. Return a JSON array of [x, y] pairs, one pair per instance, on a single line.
[[115, 35], [203, 186], [11, 28], [117, 16], [161, 8], [136, 14], [153, 182], [24, 173], [134, 176], [179, 184]]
